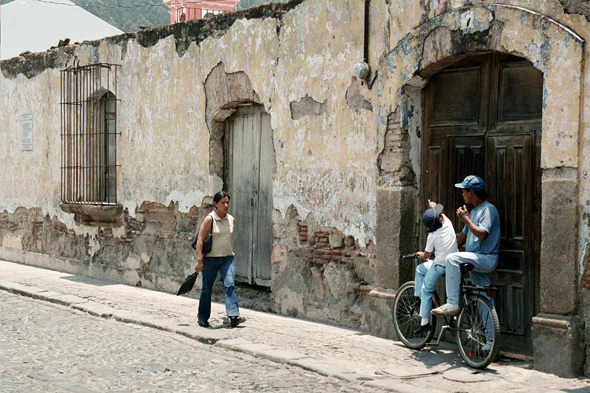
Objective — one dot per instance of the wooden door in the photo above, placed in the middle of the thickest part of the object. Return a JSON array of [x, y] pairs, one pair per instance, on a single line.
[[483, 116], [250, 163]]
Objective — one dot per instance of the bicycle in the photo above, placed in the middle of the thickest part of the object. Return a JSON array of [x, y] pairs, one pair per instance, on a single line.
[[476, 325]]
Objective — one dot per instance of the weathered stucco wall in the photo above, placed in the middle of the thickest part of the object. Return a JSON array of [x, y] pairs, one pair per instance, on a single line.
[[165, 137], [347, 167], [323, 136]]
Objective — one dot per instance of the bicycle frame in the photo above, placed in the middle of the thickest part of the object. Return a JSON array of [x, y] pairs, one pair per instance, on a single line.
[[464, 291], [476, 346]]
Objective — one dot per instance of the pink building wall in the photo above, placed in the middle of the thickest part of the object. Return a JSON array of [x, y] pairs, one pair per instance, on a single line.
[[184, 10]]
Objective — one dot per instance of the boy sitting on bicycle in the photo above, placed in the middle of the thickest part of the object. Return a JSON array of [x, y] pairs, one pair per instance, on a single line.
[[442, 240]]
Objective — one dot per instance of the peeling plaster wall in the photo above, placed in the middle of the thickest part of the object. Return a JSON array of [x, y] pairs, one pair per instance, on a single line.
[[331, 156], [165, 138], [326, 154]]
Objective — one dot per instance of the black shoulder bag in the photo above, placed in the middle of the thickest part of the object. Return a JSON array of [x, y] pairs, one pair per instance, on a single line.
[[208, 243]]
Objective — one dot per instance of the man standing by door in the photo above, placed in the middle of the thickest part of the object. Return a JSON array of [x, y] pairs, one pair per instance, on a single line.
[[481, 237]]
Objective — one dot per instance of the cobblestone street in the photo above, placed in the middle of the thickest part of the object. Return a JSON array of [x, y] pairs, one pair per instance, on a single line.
[[66, 333], [50, 348]]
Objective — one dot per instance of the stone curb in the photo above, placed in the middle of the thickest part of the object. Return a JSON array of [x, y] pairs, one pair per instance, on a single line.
[[205, 336]]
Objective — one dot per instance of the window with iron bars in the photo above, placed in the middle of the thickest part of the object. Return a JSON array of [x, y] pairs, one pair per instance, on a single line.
[[89, 134]]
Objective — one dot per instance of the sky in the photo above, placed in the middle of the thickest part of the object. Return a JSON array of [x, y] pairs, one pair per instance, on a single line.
[[36, 26]]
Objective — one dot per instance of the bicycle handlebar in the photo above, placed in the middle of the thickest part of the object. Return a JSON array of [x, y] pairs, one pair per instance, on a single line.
[[409, 256]]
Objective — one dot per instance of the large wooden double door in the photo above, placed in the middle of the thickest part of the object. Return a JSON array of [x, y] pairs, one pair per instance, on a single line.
[[482, 116]]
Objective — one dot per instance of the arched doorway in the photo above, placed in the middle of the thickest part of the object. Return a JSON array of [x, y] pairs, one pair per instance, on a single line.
[[249, 172], [483, 116]]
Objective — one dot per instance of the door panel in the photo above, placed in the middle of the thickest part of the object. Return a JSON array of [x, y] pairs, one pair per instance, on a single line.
[[244, 145], [262, 263], [435, 177], [510, 169], [521, 92], [463, 86], [466, 158], [490, 126], [251, 163]]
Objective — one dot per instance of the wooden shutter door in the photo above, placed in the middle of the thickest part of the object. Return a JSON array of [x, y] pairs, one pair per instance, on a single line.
[[510, 186], [455, 114], [262, 265], [251, 165], [244, 145], [514, 181]]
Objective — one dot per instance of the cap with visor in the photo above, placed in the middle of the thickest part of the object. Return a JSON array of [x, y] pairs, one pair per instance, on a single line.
[[431, 218], [472, 182]]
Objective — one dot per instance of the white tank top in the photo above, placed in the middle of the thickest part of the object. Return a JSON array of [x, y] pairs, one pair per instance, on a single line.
[[222, 232]]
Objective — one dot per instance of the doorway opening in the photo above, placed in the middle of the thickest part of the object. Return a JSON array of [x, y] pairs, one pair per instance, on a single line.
[[482, 115], [249, 168]]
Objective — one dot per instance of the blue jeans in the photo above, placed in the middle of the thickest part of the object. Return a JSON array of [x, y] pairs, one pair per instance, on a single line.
[[225, 265], [426, 278], [483, 265]]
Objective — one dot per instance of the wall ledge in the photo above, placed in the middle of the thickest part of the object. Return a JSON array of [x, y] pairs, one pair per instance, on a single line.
[[95, 215]]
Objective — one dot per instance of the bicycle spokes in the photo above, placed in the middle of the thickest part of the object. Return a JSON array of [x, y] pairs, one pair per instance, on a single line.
[[408, 316], [477, 328], [407, 320]]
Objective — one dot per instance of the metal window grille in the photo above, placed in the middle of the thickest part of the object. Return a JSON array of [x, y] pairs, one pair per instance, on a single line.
[[89, 134]]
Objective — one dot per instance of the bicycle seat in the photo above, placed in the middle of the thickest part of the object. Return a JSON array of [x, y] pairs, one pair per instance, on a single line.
[[466, 267]]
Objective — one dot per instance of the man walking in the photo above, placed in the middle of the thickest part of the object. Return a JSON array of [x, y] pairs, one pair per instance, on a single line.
[[481, 237]]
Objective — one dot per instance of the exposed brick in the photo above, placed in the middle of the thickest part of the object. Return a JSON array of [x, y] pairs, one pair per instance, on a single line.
[[318, 252], [320, 261], [322, 245], [336, 258], [306, 252], [327, 257]]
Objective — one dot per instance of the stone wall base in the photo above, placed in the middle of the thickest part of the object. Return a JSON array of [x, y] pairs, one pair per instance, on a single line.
[[558, 343], [128, 276]]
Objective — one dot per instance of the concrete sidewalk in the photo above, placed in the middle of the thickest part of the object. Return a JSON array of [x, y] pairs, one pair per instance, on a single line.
[[332, 351]]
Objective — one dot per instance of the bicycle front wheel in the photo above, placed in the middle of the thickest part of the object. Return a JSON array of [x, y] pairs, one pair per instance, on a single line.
[[478, 332], [406, 318]]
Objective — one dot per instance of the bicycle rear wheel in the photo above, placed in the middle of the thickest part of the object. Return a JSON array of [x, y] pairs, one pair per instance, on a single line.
[[478, 332], [406, 318]]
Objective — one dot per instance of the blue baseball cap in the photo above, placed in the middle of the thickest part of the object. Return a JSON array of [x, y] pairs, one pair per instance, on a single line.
[[431, 217], [472, 182]]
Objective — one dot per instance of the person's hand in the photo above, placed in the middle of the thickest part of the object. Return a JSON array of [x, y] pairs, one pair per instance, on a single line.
[[420, 254], [463, 214], [199, 266], [431, 205]]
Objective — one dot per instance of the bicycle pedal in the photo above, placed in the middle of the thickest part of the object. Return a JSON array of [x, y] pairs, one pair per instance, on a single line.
[[442, 329]]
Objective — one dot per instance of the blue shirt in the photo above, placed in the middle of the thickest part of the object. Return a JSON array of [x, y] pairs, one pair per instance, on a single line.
[[486, 217]]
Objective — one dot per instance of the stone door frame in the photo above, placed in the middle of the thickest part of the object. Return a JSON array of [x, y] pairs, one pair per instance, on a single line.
[[555, 50]]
